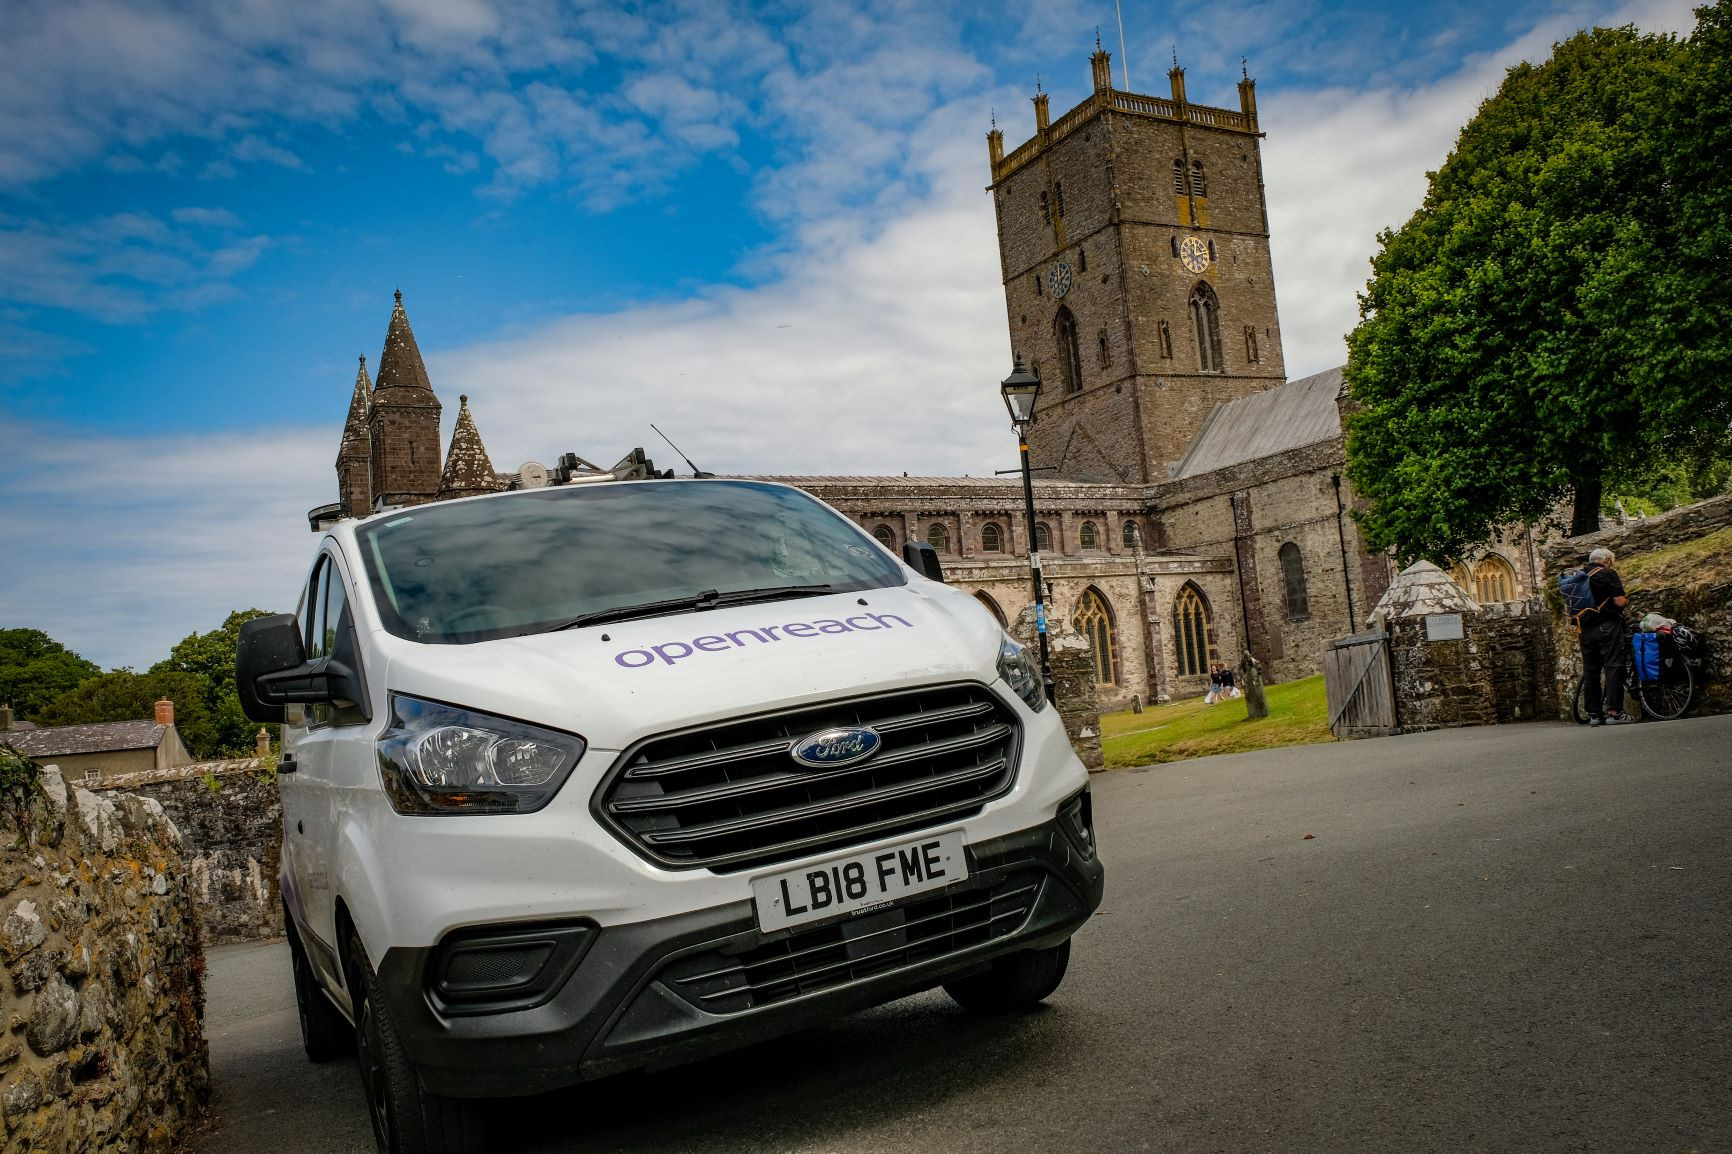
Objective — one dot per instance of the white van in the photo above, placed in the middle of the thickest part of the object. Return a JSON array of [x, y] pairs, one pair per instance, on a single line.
[[591, 778]]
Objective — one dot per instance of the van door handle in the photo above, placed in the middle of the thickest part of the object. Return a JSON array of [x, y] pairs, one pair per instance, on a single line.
[[286, 763]]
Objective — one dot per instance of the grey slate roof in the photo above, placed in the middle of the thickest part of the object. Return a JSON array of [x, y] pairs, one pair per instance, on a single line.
[[1289, 416], [99, 737]]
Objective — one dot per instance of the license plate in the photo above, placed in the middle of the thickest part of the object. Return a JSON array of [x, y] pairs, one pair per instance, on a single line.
[[845, 884]]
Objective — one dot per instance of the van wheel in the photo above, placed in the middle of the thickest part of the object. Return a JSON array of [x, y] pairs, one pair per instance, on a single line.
[[325, 1034], [407, 1118], [1015, 982]]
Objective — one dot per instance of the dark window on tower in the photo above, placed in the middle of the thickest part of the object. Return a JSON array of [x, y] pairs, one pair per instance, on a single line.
[[1199, 184], [1045, 207], [1058, 195], [1293, 573], [1212, 252], [1166, 341], [1082, 260], [1179, 176], [1105, 355], [1038, 290], [1206, 325], [1251, 344], [1175, 241], [1069, 359]]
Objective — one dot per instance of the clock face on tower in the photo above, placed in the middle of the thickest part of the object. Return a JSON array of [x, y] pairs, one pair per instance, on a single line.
[[1058, 280], [1194, 254]]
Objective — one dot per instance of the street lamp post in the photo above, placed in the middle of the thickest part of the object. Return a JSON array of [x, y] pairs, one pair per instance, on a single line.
[[1021, 389]]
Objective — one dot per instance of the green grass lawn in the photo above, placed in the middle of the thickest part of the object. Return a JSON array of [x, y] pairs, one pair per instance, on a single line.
[[1298, 715]]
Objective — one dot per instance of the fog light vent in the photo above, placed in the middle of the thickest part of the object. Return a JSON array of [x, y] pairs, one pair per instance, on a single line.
[[494, 969]]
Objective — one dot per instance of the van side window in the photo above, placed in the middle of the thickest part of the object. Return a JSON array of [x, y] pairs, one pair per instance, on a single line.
[[336, 607], [313, 617]]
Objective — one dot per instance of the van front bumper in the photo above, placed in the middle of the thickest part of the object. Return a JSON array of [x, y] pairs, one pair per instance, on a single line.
[[658, 993]]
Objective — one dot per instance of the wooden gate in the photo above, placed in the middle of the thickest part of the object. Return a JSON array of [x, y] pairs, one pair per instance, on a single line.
[[1357, 684]]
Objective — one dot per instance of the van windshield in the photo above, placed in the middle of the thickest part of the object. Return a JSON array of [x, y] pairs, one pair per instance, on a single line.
[[553, 558]]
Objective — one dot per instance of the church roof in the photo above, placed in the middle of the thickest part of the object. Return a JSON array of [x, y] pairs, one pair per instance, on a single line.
[[400, 366], [468, 472], [355, 429], [1289, 416]]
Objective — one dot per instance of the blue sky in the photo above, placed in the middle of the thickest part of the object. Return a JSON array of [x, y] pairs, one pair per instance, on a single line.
[[760, 226]]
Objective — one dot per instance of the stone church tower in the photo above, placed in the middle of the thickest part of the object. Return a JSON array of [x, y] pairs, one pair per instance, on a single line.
[[1134, 244], [403, 422]]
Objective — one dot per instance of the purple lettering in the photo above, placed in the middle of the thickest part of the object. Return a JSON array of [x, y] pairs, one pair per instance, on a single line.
[[799, 629], [648, 659], [735, 637], [855, 623], [824, 626], [710, 643], [662, 651], [770, 632], [884, 619]]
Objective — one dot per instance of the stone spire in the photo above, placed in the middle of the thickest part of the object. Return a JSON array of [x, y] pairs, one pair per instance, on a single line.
[[468, 472], [403, 421], [354, 484]]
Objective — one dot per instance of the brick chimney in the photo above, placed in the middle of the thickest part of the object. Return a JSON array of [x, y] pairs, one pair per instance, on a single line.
[[165, 712], [5, 718]]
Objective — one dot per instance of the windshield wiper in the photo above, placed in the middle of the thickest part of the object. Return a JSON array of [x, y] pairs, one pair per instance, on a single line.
[[708, 599]]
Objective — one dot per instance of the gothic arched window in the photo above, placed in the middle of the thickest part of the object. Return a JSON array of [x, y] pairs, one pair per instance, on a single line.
[[1494, 579], [1193, 632], [1094, 620], [1088, 536], [1206, 321], [1166, 342], [1199, 183], [938, 537], [1042, 537], [985, 599], [1179, 176], [1293, 574], [1130, 534], [991, 538], [887, 535], [1069, 358]]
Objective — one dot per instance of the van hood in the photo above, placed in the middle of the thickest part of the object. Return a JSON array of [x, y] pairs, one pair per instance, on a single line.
[[617, 682]]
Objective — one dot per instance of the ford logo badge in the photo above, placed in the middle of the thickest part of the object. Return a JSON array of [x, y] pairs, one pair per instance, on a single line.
[[829, 748]]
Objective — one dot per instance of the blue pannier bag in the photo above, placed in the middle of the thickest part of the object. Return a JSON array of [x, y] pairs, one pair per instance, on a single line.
[[1646, 651], [1576, 587]]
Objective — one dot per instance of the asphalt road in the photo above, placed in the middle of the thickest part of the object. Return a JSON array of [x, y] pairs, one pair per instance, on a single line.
[[1509, 939]]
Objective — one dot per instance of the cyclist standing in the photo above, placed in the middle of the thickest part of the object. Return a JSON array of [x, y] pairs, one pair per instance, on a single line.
[[1605, 649]]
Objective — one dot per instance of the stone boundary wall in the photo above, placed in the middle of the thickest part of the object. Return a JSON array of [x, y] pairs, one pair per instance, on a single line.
[[1704, 606], [104, 1051], [230, 819], [1499, 671]]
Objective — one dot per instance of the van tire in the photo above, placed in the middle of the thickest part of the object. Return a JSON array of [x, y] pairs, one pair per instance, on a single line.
[[1015, 982], [407, 1118], [325, 1033]]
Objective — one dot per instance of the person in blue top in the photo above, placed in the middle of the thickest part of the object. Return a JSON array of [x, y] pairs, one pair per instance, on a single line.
[[1605, 648]]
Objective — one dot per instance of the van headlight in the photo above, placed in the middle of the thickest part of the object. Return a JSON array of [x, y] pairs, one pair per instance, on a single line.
[[1021, 671], [438, 759]]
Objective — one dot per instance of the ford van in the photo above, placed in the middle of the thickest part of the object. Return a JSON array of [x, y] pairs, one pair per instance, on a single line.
[[592, 778]]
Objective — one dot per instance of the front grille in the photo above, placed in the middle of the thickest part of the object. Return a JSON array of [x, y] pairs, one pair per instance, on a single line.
[[731, 797], [810, 961]]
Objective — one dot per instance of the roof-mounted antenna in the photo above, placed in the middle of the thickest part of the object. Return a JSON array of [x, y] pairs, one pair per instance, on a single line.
[[1124, 57], [994, 117], [696, 472], [1037, 84], [1244, 69]]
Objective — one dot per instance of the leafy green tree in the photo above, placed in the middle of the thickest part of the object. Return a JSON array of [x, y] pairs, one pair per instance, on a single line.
[[127, 696], [212, 657], [35, 669], [1525, 336]]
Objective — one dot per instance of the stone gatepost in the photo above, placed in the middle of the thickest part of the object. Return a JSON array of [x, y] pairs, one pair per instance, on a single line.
[[1073, 676], [1438, 647]]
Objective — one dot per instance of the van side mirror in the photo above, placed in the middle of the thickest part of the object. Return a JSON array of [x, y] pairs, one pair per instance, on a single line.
[[923, 559], [272, 671], [267, 645]]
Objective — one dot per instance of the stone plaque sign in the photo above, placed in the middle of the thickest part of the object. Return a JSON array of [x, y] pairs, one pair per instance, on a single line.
[[1443, 627]]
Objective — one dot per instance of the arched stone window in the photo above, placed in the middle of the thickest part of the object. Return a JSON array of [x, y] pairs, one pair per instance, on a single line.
[[1069, 357], [1166, 335], [1094, 620], [1042, 537], [887, 535], [1494, 579], [985, 599], [1193, 632], [1131, 534], [1199, 182], [1103, 352], [1293, 574], [1178, 176], [938, 536], [1088, 536], [1206, 324], [991, 538]]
